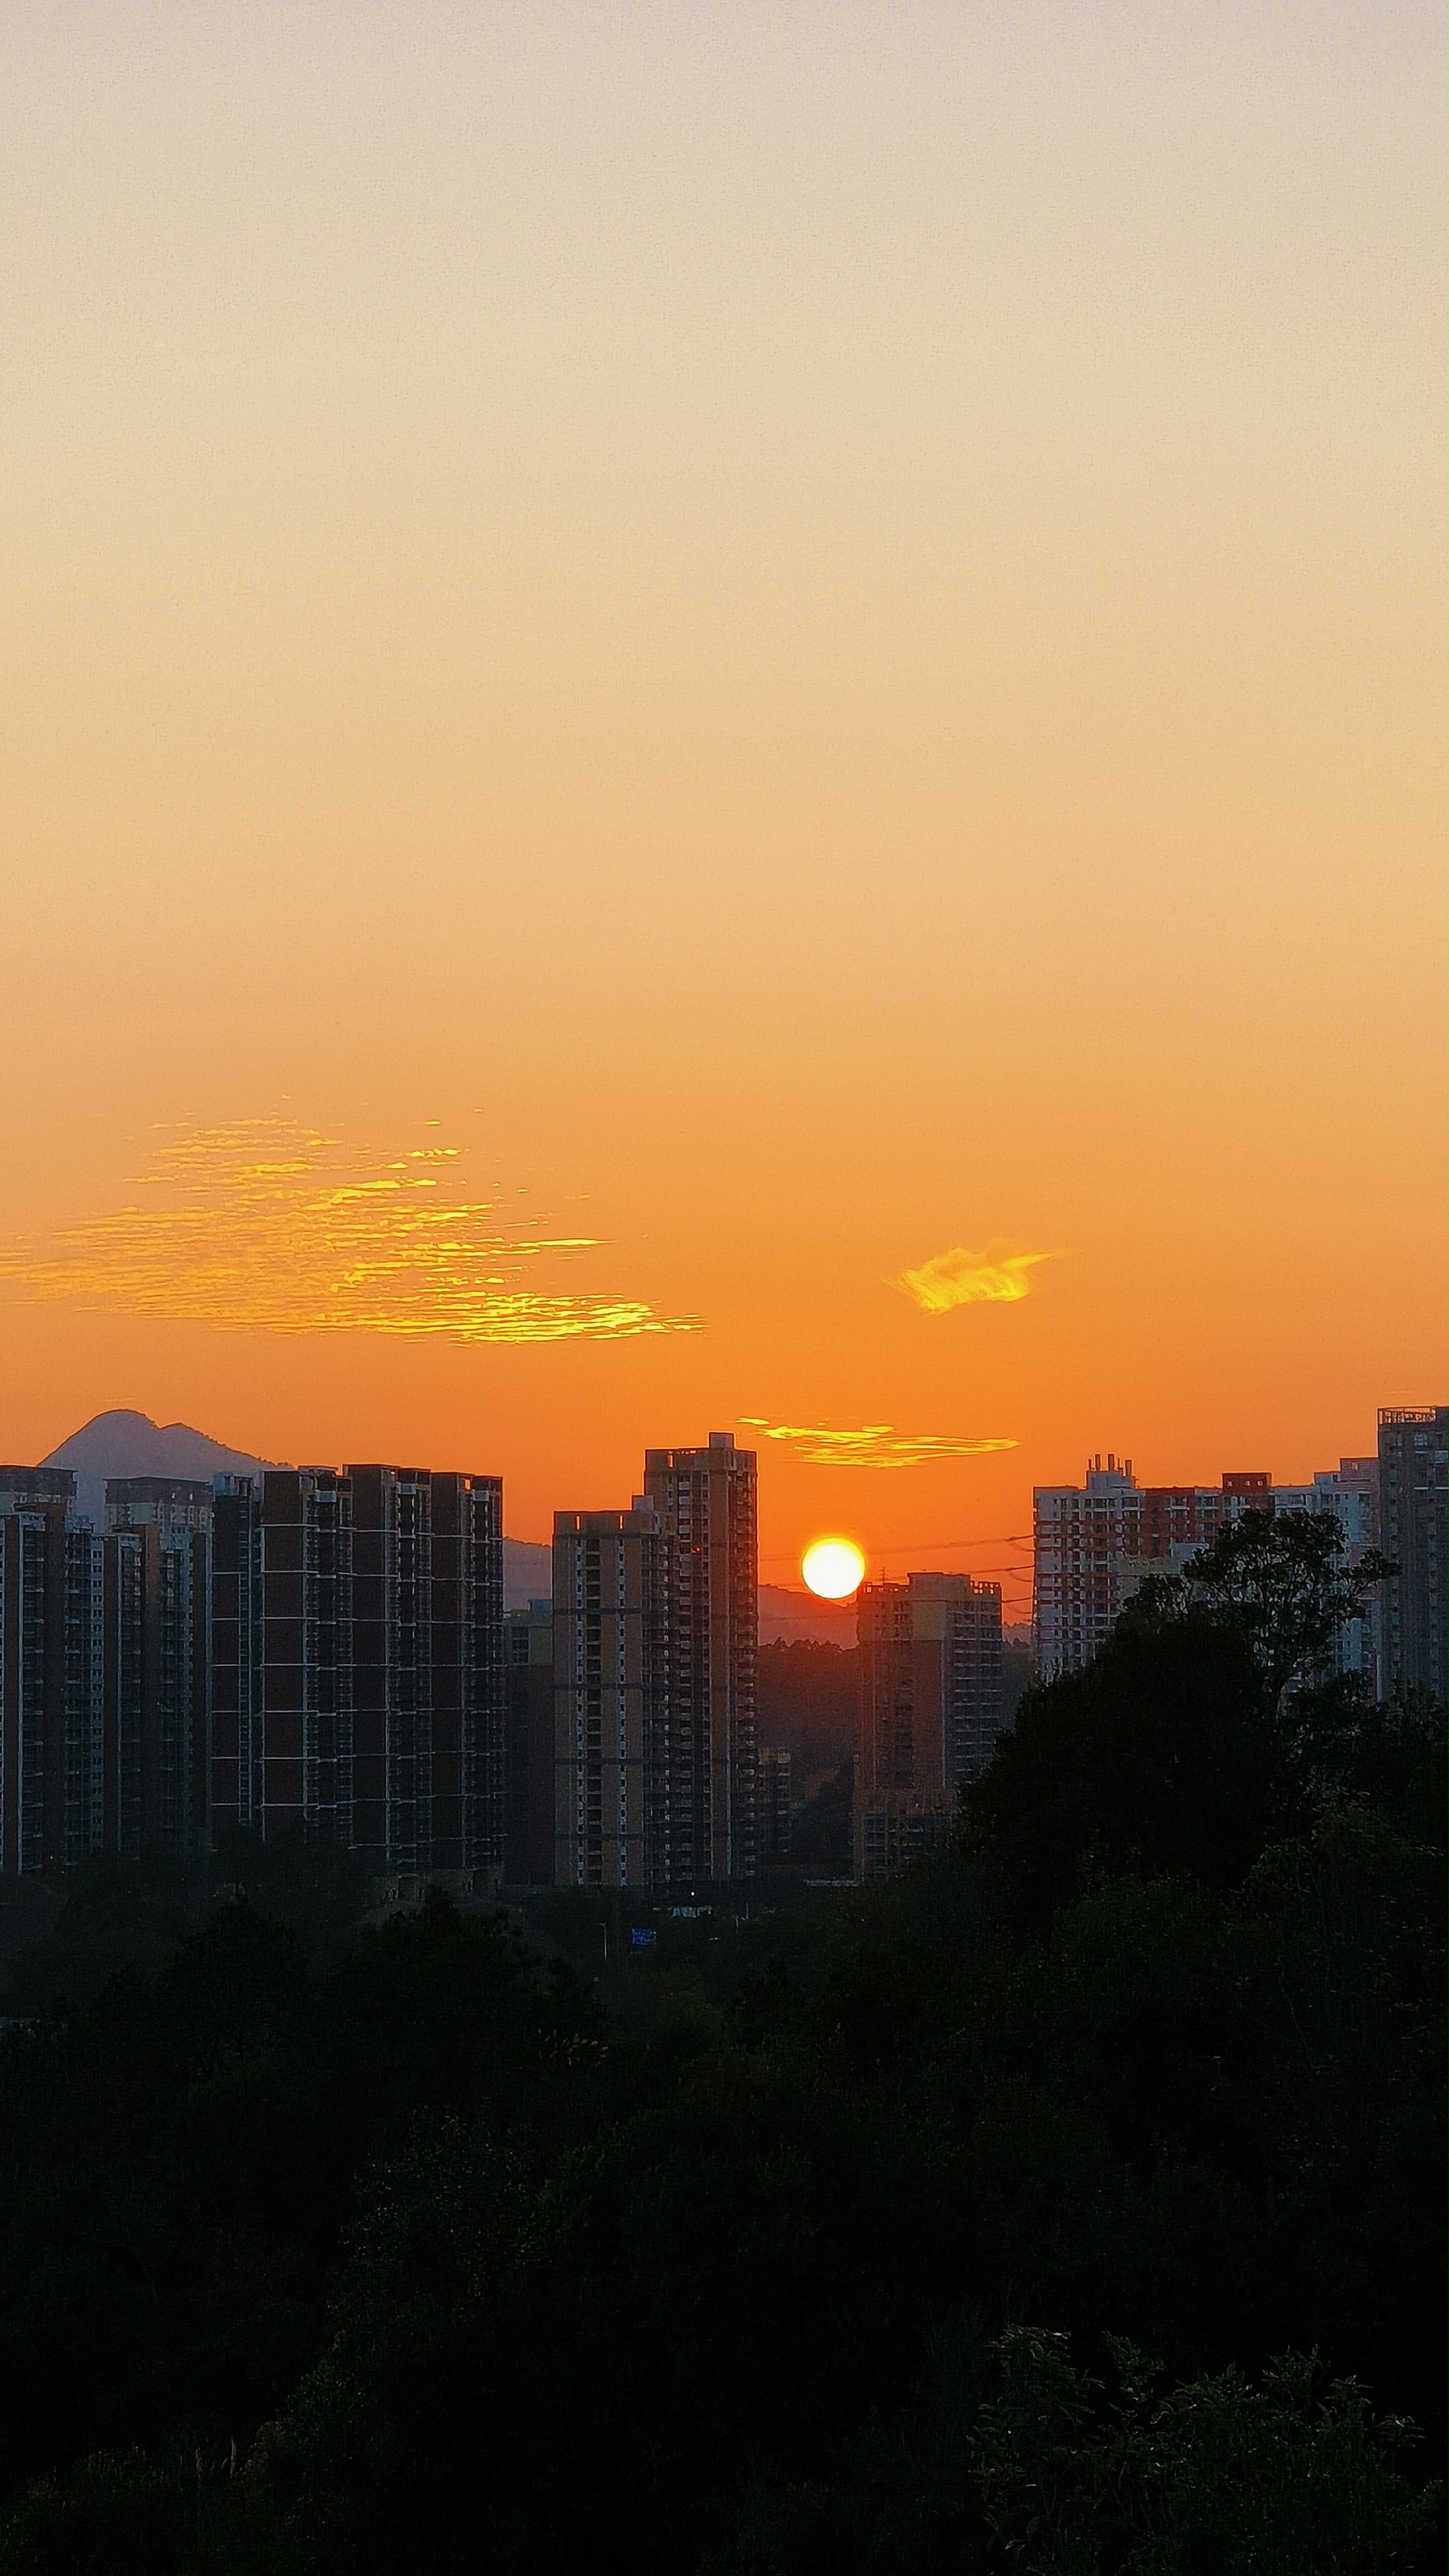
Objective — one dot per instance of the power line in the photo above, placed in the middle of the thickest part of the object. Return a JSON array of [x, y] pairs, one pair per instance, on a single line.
[[899, 1547]]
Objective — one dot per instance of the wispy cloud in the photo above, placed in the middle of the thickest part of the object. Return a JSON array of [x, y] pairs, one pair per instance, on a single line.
[[874, 1444], [268, 1225], [994, 1276]]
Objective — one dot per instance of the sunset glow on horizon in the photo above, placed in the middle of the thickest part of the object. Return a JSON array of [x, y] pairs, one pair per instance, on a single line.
[[726, 717]]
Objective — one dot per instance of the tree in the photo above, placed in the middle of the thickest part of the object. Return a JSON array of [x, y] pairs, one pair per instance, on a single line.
[[119, 2515], [1283, 1581], [1286, 2479], [1158, 1756]]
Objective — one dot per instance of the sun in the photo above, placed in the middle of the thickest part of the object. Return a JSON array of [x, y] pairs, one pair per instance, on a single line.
[[832, 1567]]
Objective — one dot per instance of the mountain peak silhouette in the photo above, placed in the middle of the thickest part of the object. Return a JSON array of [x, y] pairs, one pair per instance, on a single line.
[[125, 1443]]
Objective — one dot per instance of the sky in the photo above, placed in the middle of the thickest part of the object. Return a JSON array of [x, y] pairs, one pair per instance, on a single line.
[[725, 717]]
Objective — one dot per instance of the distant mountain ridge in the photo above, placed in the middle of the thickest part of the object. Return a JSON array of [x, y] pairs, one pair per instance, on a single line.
[[123, 1443], [527, 1572], [789, 1618]]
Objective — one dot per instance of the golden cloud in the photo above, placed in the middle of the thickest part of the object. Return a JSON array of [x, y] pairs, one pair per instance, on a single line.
[[875, 1444], [994, 1276], [267, 1225]]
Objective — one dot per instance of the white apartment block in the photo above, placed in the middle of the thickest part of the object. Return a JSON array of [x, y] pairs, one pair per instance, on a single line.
[[1095, 1544]]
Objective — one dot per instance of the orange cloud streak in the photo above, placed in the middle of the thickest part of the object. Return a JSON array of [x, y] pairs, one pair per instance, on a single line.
[[994, 1276], [875, 1444], [266, 1225]]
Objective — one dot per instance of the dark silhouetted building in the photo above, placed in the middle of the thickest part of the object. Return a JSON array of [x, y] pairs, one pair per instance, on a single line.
[[103, 1675], [22, 1486], [773, 1808], [654, 1678], [357, 1661], [528, 1746], [156, 1746], [705, 1499], [1413, 1609], [51, 1750], [930, 1709], [611, 1605], [238, 1784], [174, 1503]]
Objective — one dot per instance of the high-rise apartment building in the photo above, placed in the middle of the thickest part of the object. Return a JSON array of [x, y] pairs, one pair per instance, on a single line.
[[654, 1677], [51, 1674], [356, 1654], [281, 1651], [427, 1711], [103, 1672], [22, 1488], [313, 1646], [773, 1805], [1414, 1533], [1097, 1542], [611, 1612], [174, 1503], [238, 1786], [156, 1735], [528, 1754], [930, 1708], [706, 1501]]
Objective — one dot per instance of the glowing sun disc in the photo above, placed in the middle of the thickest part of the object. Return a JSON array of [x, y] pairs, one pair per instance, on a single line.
[[832, 1567]]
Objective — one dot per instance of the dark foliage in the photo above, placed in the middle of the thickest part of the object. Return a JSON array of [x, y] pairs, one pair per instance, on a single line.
[[1018, 1672], [831, 2241], [1156, 1757], [180, 2156], [821, 1832], [1281, 1582]]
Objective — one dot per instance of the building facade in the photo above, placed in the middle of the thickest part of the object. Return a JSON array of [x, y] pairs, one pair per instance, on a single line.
[[52, 1808], [156, 1729], [356, 1661], [654, 1613], [774, 1805], [528, 1755], [104, 1699], [1414, 1532], [930, 1709], [611, 1609], [1096, 1543], [706, 1502], [1351, 1492]]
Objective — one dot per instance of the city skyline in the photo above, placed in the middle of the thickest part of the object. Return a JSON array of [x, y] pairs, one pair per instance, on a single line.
[[338, 1649], [1011, 1560]]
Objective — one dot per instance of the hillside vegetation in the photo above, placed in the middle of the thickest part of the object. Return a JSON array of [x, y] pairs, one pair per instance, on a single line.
[[1071, 2205]]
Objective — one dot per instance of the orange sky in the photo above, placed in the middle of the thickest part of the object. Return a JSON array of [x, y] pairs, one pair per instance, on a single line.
[[811, 632]]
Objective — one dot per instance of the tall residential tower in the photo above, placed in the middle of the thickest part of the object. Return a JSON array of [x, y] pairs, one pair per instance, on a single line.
[[654, 1677], [1414, 1532], [930, 1709], [357, 1619], [1095, 1543], [706, 1503], [611, 1601]]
